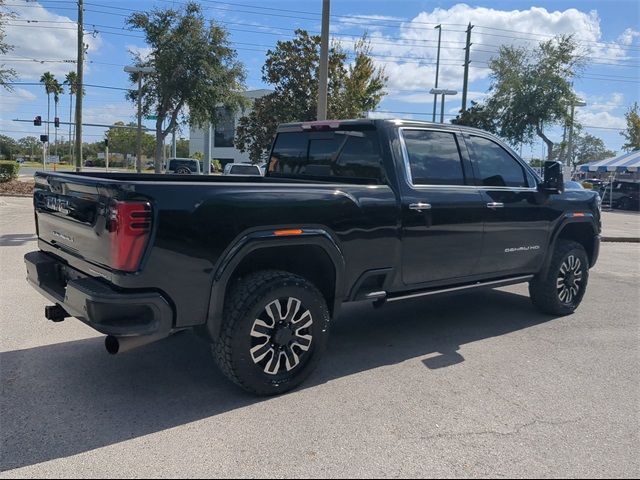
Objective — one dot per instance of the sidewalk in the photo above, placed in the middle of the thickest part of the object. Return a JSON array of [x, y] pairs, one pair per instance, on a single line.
[[620, 226]]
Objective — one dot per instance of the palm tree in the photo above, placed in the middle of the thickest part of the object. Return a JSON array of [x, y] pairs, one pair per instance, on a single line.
[[47, 80], [71, 79], [57, 91]]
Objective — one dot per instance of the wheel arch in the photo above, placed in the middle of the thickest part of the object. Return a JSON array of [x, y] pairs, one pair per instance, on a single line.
[[312, 254], [580, 229]]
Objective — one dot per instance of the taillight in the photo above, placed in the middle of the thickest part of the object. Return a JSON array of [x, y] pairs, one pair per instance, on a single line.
[[129, 224]]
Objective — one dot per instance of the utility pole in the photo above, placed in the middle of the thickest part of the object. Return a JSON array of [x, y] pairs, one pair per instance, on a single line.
[[465, 86], [435, 95], [80, 75], [324, 62], [174, 146]]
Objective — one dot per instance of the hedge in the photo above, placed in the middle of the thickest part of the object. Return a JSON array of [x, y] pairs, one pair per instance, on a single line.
[[8, 170]]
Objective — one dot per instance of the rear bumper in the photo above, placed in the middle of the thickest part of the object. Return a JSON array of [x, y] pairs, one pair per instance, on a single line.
[[97, 303]]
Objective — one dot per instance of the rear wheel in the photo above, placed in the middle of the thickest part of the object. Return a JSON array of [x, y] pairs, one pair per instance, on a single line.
[[561, 290], [276, 328]]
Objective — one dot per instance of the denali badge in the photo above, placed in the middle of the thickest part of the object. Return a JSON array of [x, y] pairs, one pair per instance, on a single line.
[[62, 236], [522, 249], [58, 205]]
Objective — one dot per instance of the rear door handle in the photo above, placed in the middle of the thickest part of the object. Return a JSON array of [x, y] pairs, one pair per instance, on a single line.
[[494, 205], [419, 206]]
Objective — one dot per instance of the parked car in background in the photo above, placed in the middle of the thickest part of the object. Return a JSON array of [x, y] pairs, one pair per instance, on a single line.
[[184, 166], [571, 185], [242, 169], [593, 183], [623, 194], [89, 163]]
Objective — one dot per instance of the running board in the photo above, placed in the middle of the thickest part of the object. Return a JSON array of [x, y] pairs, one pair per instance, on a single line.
[[490, 284]]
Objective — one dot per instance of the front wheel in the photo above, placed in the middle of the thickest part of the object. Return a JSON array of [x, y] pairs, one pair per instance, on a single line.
[[276, 328], [561, 290]]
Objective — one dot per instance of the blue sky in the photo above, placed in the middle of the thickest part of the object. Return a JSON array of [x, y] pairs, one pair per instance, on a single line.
[[403, 42]]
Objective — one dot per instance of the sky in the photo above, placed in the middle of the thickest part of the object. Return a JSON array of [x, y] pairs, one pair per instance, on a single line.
[[403, 41]]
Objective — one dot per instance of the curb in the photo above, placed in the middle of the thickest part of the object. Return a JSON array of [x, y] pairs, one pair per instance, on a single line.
[[17, 195], [621, 239]]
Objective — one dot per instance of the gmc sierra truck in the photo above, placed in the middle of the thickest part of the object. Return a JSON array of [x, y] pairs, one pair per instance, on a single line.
[[355, 210]]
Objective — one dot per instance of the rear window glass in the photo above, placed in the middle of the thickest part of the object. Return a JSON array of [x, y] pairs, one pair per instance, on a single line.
[[345, 154]]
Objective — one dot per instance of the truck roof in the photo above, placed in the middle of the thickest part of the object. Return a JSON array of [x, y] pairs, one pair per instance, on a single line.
[[367, 123]]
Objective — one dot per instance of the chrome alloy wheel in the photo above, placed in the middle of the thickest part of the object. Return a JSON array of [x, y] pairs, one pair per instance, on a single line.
[[281, 336], [569, 279]]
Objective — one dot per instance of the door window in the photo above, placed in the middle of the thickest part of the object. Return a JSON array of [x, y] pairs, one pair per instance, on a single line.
[[495, 166], [434, 157]]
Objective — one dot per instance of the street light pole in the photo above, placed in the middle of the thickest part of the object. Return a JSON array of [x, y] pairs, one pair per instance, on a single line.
[[444, 92], [574, 104], [435, 95]]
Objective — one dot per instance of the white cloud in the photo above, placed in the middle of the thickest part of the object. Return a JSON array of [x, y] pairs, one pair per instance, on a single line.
[[142, 52], [110, 113], [37, 41], [627, 37], [417, 42], [600, 119]]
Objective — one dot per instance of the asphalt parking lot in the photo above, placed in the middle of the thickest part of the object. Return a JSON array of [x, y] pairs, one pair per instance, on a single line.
[[479, 384]]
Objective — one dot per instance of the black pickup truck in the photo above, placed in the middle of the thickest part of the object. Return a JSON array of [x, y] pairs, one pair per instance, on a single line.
[[377, 210]]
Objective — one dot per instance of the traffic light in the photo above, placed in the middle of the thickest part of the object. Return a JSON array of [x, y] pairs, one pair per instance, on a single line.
[[37, 121], [106, 142], [56, 122]]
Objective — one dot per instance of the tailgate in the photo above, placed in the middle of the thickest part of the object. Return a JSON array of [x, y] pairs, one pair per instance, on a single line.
[[73, 214]]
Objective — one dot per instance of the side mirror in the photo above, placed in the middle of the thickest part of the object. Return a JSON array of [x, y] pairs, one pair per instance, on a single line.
[[553, 179]]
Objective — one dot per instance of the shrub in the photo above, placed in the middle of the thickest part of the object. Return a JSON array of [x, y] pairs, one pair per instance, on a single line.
[[8, 170]]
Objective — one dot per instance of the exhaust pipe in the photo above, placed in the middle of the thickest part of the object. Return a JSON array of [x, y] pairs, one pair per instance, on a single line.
[[116, 345]]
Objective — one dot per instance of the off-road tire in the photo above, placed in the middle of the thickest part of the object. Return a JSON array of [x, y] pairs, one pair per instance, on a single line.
[[546, 291], [248, 300]]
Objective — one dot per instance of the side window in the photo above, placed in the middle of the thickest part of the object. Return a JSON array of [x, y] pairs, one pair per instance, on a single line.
[[347, 154], [359, 157], [289, 154], [495, 167], [434, 157]]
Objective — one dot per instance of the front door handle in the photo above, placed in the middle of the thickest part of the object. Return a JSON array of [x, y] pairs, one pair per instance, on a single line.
[[419, 206], [494, 205]]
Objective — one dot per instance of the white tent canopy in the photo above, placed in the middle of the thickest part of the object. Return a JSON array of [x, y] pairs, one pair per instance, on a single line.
[[629, 162]]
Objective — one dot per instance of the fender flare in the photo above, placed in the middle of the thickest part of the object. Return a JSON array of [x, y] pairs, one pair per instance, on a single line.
[[568, 219], [261, 239]]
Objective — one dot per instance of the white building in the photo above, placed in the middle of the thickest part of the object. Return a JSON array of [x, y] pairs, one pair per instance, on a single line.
[[223, 133]]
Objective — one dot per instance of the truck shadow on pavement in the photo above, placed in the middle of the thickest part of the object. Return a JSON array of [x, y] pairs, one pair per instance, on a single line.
[[69, 398], [16, 239]]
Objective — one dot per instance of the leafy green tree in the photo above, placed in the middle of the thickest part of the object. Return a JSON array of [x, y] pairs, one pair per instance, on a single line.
[[71, 81], [194, 67], [632, 132], [57, 91], [182, 148], [124, 140], [6, 74], [477, 116], [292, 69], [30, 146], [586, 148], [8, 147], [531, 90], [48, 80]]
